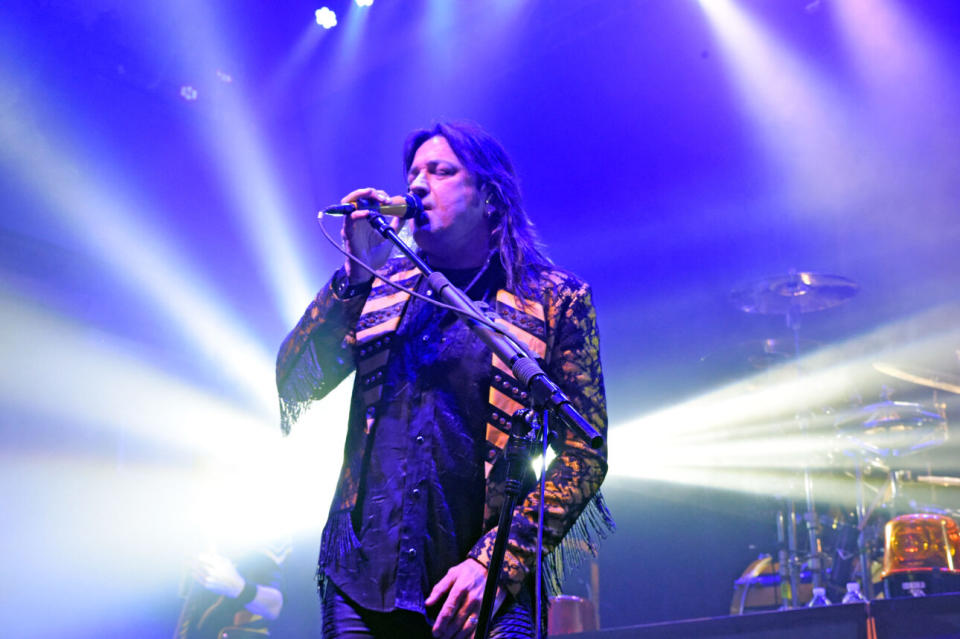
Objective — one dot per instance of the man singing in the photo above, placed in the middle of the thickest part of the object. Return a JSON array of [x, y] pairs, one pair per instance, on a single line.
[[411, 529]]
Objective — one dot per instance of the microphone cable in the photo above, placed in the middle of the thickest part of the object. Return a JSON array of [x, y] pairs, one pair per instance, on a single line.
[[480, 319]]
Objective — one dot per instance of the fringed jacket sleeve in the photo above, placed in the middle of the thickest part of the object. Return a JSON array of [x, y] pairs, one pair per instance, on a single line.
[[316, 355], [574, 511]]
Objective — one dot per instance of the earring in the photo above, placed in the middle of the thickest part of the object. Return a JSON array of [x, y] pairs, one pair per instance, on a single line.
[[490, 207]]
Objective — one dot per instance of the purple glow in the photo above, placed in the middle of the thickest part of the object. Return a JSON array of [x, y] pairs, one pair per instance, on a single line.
[[153, 256]]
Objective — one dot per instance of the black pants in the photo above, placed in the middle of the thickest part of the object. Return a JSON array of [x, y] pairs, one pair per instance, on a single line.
[[342, 619]]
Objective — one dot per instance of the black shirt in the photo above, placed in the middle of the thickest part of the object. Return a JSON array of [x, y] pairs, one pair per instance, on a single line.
[[421, 501]]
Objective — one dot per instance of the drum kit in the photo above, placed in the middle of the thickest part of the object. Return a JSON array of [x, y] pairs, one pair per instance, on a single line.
[[920, 541]]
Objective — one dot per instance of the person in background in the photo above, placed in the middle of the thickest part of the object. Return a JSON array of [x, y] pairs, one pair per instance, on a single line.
[[234, 600]]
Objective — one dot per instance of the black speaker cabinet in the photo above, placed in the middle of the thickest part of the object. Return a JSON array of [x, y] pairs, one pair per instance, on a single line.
[[832, 622], [932, 617]]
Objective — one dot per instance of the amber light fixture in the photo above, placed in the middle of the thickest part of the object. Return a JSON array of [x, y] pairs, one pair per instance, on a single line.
[[921, 542]]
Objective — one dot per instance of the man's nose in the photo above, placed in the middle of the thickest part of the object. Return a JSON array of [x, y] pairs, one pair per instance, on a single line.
[[419, 186]]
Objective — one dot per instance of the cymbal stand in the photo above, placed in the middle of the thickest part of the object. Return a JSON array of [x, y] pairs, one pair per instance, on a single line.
[[887, 491], [792, 294], [815, 560], [815, 555], [862, 516], [787, 556]]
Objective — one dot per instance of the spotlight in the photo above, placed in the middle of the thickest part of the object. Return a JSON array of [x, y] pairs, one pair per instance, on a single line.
[[326, 18], [188, 93], [224, 77], [364, 3]]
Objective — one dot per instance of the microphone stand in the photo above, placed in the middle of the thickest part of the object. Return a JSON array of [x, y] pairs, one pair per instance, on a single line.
[[546, 397], [517, 454], [540, 387]]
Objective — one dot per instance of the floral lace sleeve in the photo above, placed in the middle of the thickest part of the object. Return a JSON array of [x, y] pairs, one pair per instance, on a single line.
[[315, 356], [574, 477]]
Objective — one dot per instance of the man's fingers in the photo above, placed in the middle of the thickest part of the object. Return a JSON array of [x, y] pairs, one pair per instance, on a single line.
[[451, 606], [465, 583], [369, 193], [469, 627], [466, 623], [442, 586], [451, 617]]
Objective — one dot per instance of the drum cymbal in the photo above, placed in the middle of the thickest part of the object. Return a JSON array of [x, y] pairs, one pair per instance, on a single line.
[[939, 480], [892, 429], [921, 376], [801, 292]]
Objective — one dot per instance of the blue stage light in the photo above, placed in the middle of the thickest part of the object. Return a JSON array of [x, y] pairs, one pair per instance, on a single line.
[[364, 3], [326, 18]]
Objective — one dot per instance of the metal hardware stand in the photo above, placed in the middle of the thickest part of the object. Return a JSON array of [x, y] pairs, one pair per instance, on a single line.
[[517, 455]]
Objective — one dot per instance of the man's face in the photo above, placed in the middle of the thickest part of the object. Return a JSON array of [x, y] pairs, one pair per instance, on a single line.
[[454, 208]]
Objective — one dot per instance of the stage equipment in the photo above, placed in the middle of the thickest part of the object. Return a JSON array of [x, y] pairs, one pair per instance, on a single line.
[[893, 429], [795, 292], [791, 295], [569, 614], [920, 618], [939, 480], [758, 588], [921, 376], [920, 556], [402, 206]]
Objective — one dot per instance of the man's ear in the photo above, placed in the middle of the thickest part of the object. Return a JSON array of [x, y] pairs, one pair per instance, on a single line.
[[489, 200]]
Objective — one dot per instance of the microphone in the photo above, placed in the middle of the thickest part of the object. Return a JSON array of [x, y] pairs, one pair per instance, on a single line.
[[402, 206]]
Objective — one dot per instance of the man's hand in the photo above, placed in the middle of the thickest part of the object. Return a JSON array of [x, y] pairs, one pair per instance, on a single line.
[[361, 240], [218, 574], [463, 585]]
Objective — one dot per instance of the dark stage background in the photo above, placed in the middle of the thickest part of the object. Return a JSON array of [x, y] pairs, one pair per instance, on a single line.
[[162, 166]]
